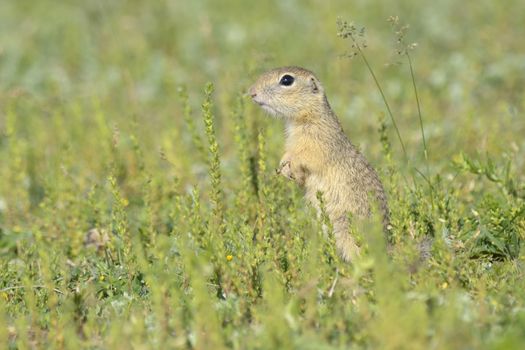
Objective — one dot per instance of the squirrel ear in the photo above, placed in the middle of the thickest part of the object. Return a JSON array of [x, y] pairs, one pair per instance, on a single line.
[[313, 83]]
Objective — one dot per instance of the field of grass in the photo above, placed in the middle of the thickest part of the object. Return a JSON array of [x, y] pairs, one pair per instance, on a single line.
[[130, 118]]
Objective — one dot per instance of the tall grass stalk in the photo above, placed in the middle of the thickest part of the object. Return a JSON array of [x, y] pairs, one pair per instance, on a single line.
[[425, 149], [348, 30], [404, 48], [241, 139], [217, 197]]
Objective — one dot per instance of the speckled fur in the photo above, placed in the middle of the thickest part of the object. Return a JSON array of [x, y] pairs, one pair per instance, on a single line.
[[318, 155]]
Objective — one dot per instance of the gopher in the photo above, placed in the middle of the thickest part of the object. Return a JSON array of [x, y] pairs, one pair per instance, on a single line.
[[318, 155]]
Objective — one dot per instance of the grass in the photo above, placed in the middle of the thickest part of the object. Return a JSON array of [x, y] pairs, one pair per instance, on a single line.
[[108, 122]]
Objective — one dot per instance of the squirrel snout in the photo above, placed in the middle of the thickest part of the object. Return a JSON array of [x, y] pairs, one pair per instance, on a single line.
[[252, 92]]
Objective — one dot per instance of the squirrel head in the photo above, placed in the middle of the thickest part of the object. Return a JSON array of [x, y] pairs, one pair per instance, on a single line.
[[289, 92]]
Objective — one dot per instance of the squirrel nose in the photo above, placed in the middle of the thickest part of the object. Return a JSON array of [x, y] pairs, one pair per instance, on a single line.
[[252, 92]]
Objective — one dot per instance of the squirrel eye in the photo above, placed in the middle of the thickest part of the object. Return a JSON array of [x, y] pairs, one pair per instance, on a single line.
[[286, 80]]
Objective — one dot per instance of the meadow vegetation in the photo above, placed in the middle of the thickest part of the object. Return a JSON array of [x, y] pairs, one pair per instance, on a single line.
[[130, 117]]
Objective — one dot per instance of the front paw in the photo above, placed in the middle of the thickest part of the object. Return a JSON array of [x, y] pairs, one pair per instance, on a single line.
[[285, 169]]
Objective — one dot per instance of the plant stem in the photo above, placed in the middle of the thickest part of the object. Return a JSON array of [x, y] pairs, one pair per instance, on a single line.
[[382, 95], [425, 150]]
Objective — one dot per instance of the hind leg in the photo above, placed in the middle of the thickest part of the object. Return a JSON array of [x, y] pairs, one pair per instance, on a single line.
[[345, 243]]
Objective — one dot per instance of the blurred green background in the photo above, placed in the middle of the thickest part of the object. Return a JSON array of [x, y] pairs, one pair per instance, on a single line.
[[132, 56]]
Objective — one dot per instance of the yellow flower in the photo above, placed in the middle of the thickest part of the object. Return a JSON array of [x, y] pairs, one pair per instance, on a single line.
[[229, 257], [444, 285], [101, 278]]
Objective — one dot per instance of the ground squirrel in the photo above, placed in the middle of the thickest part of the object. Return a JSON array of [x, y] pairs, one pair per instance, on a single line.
[[319, 156]]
